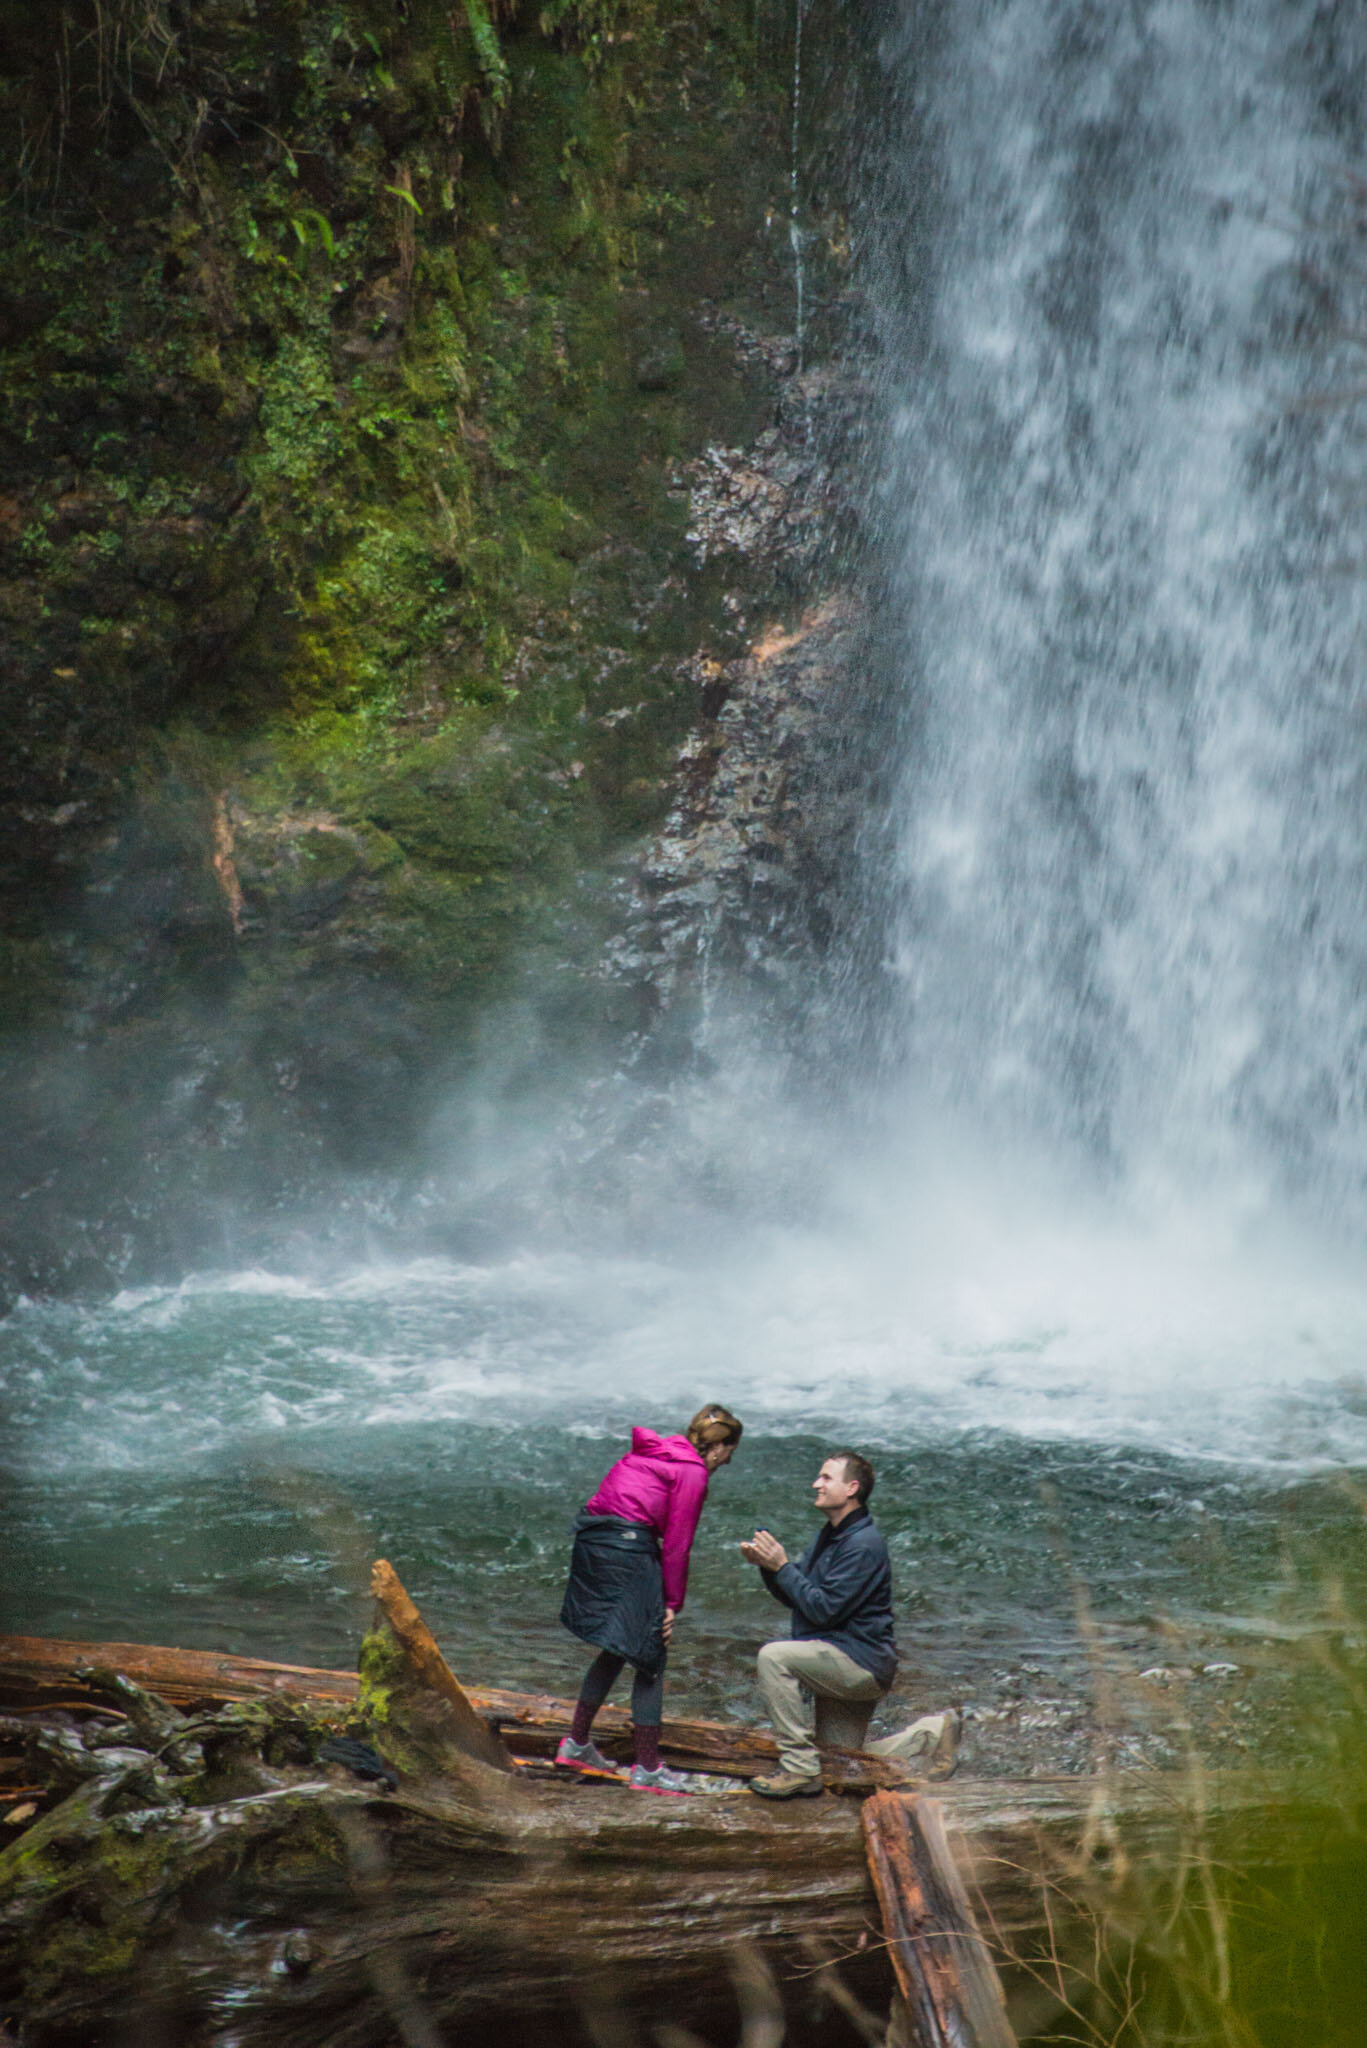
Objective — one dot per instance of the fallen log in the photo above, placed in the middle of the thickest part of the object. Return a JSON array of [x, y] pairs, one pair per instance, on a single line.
[[36, 1671], [951, 1993], [313, 1909], [518, 1920], [49, 1671]]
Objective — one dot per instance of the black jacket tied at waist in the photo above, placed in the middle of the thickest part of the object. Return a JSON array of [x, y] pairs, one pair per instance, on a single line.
[[615, 1596]]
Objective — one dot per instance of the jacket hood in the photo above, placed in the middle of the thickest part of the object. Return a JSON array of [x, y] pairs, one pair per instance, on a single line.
[[675, 1450]]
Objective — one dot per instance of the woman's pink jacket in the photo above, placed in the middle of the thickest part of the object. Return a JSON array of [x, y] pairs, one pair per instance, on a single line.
[[662, 1482]]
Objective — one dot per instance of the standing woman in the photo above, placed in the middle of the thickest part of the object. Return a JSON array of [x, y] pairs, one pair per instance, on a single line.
[[628, 1576]]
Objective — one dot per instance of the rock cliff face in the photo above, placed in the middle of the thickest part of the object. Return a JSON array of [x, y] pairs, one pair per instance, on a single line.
[[748, 865], [405, 451], [753, 875], [738, 985]]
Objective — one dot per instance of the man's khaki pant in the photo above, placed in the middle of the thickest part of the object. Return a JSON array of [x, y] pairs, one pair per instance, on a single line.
[[815, 1693]]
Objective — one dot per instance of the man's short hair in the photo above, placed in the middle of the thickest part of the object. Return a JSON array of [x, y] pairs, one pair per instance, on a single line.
[[858, 1471]]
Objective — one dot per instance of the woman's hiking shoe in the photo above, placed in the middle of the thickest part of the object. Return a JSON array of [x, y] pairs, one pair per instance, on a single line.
[[672, 1783], [584, 1756], [789, 1785]]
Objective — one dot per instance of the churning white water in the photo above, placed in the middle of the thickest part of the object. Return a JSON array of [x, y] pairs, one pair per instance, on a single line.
[[1131, 931]]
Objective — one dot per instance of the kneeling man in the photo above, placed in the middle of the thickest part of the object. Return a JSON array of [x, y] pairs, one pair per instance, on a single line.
[[824, 1685]]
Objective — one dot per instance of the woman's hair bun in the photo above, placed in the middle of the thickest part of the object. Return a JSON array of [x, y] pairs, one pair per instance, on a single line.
[[713, 1425]]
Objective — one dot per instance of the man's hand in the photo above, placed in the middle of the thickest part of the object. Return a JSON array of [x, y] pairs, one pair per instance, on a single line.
[[667, 1630], [764, 1550]]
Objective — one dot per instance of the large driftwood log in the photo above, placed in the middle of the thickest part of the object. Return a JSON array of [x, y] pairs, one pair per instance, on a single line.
[[40, 1671], [307, 1908], [314, 1910]]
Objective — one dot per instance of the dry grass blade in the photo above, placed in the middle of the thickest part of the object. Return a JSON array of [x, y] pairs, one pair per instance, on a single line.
[[761, 2008], [834, 1988]]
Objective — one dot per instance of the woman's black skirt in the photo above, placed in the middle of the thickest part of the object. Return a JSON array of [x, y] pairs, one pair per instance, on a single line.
[[615, 1596]]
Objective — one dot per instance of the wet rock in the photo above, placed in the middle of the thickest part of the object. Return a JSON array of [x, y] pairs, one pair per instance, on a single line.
[[750, 871], [748, 859]]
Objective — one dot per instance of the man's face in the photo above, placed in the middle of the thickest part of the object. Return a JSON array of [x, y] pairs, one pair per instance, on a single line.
[[834, 1492]]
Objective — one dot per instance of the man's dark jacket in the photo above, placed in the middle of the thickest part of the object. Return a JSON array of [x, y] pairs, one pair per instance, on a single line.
[[841, 1592]]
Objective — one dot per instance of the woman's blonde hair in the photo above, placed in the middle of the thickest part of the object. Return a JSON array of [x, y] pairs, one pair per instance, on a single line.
[[713, 1425]]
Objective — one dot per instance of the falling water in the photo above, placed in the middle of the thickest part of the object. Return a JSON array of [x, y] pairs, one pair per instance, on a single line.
[[1130, 923]]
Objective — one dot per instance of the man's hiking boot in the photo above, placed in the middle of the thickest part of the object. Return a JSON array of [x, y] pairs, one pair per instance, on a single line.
[[789, 1785], [673, 1784], [584, 1756]]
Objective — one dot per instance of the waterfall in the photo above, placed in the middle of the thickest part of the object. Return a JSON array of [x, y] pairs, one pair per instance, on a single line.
[[1018, 1212], [1127, 929]]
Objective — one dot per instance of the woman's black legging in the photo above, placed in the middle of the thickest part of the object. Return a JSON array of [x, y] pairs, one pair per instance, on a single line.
[[647, 1693]]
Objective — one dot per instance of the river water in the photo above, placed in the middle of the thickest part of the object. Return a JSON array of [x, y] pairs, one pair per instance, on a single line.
[[216, 1464], [1088, 1286]]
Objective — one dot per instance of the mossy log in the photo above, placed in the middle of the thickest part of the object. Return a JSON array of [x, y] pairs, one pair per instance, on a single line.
[[211, 1867], [313, 1910], [38, 1671]]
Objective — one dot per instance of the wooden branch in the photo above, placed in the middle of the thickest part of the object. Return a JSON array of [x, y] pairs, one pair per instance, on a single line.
[[431, 1669], [951, 1991]]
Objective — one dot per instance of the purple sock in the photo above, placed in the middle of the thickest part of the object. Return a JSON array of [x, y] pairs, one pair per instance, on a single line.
[[647, 1742]]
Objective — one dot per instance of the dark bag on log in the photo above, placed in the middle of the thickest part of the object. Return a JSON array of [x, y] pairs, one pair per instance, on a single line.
[[361, 1760]]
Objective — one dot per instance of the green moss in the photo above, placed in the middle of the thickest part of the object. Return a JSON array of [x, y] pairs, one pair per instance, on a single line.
[[88, 1893], [392, 1718], [339, 557], [380, 1667], [93, 1899], [341, 305]]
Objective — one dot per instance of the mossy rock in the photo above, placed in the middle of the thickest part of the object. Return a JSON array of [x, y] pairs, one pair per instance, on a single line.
[[335, 514]]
